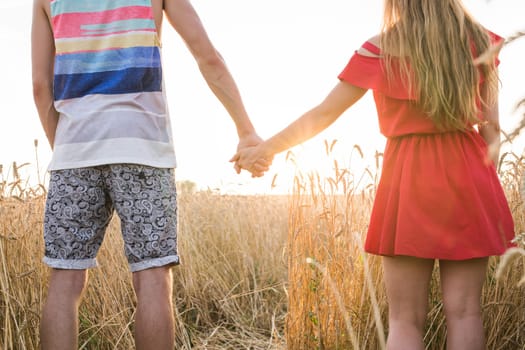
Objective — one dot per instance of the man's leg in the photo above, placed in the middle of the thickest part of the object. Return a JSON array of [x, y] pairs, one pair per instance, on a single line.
[[59, 323], [76, 216], [145, 199], [462, 285], [407, 282], [154, 323]]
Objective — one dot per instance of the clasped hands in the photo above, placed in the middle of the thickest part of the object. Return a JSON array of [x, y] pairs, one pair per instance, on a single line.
[[253, 158]]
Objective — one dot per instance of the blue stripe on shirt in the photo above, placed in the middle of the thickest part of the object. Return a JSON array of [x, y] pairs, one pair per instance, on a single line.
[[108, 60], [131, 80], [59, 7], [118, 26]]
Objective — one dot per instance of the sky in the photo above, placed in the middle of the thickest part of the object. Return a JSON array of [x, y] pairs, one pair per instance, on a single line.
[[285, 56]]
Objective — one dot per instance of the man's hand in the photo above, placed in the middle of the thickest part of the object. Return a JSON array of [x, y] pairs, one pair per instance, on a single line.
[[260, 166], [251, 158]]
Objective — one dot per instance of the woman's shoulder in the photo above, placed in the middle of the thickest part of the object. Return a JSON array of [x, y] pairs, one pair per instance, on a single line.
[[495, 38], [371, 47]]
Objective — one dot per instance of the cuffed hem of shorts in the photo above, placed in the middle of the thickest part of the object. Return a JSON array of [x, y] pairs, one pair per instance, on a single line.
[[63, 264], [158, 262]]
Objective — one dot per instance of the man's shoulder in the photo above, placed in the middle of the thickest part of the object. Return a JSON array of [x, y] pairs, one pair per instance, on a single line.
[[43, 5]]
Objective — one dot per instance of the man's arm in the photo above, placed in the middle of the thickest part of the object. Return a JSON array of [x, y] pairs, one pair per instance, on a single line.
[[42, 58], [184, 19]]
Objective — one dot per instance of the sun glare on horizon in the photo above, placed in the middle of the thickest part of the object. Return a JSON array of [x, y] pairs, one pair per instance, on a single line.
[[283, 66]]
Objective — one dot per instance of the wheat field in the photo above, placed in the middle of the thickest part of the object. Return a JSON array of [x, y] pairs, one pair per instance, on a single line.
[[257, 272]]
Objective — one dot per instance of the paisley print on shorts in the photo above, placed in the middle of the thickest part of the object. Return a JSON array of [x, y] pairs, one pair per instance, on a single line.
[[80, 205]]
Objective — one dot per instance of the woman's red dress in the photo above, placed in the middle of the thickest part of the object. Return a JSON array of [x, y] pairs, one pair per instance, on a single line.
[[437, 197]]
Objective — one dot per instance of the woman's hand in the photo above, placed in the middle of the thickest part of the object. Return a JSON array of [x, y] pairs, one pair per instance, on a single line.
[[253, 160]]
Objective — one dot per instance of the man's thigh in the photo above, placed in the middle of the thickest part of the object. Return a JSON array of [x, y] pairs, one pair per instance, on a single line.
[[76, 215], [145, 199]]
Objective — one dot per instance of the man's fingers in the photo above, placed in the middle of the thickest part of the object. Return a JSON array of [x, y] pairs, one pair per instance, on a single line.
[[235, 157], [258, 167], [237, 168], [263, 162]]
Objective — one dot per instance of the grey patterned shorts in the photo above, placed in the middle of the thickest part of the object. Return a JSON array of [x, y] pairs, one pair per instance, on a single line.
[[81, 202]]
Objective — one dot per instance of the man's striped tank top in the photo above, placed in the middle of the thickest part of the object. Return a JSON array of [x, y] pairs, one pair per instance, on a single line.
[[108, 85]]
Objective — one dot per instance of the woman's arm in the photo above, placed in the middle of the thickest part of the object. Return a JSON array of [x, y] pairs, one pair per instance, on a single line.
[[304, 128]]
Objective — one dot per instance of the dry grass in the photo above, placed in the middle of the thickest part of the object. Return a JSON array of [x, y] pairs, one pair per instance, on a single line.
[[336, 295], [229, 291], [258, 272]]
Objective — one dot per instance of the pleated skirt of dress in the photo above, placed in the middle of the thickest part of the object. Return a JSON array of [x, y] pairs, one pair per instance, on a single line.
[[438, 198]]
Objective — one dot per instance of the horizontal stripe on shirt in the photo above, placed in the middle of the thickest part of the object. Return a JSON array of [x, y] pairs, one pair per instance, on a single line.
[[80, 24], [148, 102], [124, 81], [118, 26], [91, 62], [117, 41], [112, 124], [124, 150], [63, 6]]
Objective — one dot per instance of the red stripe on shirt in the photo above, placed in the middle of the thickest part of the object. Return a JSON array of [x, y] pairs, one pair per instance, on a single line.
[[68, 25]]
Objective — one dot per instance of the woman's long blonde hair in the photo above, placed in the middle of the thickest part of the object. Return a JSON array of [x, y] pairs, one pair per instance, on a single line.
[[432, 41]]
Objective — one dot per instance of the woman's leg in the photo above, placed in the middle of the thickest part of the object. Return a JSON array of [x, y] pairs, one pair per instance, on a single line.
[[462, 284], [407, 281]]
